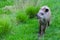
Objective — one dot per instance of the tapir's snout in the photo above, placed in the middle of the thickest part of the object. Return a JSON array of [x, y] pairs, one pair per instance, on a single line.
[[38, 16]]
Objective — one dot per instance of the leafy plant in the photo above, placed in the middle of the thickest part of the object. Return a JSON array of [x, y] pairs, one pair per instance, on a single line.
[[21, 16], [32, 11]]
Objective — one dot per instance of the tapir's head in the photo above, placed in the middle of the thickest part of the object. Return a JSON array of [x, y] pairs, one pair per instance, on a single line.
[[43, 11]]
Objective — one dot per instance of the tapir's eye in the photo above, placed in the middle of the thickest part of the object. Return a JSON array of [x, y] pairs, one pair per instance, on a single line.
[[42, 13], [46, 10]]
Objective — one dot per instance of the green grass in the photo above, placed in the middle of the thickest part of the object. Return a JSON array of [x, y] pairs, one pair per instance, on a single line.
[[26, 31], [29, 30]]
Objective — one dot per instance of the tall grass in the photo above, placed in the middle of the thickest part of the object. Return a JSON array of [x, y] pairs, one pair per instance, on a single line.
[[5, 23]]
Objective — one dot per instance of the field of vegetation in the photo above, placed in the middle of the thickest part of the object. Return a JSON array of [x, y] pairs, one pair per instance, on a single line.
[[18, 19]]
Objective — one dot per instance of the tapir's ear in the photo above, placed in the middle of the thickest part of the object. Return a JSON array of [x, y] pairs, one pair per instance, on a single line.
[[46, 10]]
